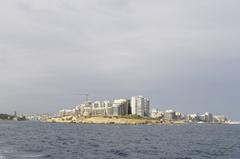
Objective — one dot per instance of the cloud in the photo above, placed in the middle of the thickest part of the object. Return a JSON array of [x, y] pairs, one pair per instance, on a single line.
[[181, 54]]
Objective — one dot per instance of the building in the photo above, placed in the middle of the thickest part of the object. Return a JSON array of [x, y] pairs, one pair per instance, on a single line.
[[220, 119], [201, 118], [86, 109], [155, 113], [78, 110], [169, 115], [66, 112], [192, 118], [146, 107], [98, 109], [108, 108], [120, 107], [39, 117], [179, 116], [140, 106], [134, 105], [208, 117]]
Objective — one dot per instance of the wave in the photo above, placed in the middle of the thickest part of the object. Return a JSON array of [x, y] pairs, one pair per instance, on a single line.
[[1, 156], [33, 156]]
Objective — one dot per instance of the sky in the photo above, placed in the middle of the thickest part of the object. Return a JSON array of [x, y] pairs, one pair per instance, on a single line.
[[183, 55]]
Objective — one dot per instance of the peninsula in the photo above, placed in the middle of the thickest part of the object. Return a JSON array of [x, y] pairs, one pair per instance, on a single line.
[[133, 111], [123, 120]]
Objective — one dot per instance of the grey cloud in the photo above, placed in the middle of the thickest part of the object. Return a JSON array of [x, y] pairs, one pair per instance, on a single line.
[[181, 54]]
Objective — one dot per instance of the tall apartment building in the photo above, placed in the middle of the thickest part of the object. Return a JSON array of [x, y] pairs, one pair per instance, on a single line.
[[140, 106], [108, 107], [120, 107], [98, 109], [146, 107], [86, 109]]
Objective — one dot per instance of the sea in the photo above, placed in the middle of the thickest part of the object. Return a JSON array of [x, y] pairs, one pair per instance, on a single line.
[[38, 140]]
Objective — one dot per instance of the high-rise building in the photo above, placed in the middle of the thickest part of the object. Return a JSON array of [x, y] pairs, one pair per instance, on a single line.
[[140, 106], [120, 107], [108, 107], [146, 107], [98, 109]]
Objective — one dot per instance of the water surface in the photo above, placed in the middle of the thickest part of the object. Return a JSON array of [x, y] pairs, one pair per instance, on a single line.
[[22, 140]]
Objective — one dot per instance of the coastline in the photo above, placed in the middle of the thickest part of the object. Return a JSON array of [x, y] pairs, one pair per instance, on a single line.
[[111, 120]]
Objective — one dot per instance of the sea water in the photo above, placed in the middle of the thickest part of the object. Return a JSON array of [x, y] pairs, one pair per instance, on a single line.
[[26, 140]]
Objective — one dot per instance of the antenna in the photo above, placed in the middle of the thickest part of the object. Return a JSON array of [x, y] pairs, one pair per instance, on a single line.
[[86, 97]]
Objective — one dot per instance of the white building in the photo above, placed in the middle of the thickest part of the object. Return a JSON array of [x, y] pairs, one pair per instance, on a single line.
[[220, 119], [108, 107], [208, 117], [98, 109], [140, 106], [66, 112], [86, 109], [193, 117], [120, 107], [155, 113], [169, 115]]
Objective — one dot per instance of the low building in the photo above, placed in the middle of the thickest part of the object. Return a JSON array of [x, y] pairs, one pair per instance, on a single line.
[[169, 115], [86, 109], [219, 119], [78, 110], [179, 116], [66, 112], [155, 113], [201, 118], [208, 117], [192, 118]]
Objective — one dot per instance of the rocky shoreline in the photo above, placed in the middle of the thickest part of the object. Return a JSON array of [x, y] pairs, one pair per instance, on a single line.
[[111, 120]]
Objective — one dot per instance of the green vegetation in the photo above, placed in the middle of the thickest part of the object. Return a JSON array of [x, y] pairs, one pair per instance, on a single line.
[[21, 118], [12, 117], [6, 117]]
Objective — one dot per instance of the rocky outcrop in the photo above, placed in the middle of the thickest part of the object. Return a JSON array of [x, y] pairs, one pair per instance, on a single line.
[[105, 120]]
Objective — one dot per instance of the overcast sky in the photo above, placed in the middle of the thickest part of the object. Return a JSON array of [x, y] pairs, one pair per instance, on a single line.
[[183, 55]]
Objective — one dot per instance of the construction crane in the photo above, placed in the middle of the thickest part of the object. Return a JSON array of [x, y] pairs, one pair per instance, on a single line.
[[83, 94], [86, 97]]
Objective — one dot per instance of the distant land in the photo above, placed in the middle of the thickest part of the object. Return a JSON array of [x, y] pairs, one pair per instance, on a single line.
[[12, 117], [132, 110]]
